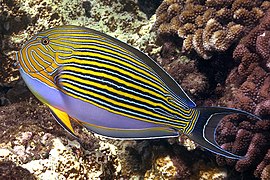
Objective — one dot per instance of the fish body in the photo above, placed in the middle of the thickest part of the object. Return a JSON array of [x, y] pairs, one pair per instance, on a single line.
[[113, 89]]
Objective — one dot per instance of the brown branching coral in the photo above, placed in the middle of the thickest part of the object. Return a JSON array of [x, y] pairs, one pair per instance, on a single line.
[[266, 172], [247, 138], [248, 88], [208, 26], [183, 70]]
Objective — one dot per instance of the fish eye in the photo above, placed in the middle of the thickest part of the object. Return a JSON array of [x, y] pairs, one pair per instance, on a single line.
[[45, 40]]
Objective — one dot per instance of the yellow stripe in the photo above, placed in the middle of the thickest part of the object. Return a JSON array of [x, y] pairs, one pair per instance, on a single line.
[[113, 52], [165, 129], [110, 89], [91, 41], [56, 35], [84, 62], [194, 120], [41, 65], [134, 86], [114, 78], [132, 108], [27, 63]]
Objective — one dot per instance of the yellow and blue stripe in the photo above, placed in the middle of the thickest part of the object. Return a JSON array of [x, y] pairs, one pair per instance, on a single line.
[[113, 89], [92, 68]]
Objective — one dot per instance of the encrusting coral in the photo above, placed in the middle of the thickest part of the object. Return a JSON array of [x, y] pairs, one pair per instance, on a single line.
[[248, 88], [209, 26]]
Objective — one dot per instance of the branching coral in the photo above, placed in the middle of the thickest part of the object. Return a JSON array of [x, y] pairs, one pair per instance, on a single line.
[[245, 137], [248, 88], [266, 173], [208, 26], [183, 70]]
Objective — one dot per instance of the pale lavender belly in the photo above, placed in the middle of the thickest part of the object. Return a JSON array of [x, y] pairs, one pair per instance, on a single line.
[[82, 110]]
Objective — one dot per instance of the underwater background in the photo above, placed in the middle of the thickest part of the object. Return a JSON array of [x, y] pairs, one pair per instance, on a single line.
[[217, 50]]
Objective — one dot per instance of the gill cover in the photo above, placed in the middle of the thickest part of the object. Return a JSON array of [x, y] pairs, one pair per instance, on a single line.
[[37, 55]]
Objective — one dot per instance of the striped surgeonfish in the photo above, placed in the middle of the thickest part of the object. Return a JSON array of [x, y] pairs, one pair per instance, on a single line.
[[113, 89]]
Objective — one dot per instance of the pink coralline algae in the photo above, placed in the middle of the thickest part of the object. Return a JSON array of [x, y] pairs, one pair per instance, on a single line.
[[248, 88]]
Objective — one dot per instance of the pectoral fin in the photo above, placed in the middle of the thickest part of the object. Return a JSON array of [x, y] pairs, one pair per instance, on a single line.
[[63, 119]]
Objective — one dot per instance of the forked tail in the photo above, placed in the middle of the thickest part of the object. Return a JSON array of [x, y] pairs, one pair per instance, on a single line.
[[205, 129]]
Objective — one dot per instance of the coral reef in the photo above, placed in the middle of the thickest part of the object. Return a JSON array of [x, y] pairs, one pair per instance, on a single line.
[[34, 146], [248, 88], [149, 6], [183, 70], [9, 170], [168, 160], [29, 135], [20, 20], [30, 138], [266, 173], [207, 27], [246, 138]]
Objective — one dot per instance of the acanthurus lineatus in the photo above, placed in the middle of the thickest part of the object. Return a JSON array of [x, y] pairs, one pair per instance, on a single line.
[[113, 89]]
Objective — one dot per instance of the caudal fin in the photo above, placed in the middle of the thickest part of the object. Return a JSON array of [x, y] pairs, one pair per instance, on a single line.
[[205, 128]]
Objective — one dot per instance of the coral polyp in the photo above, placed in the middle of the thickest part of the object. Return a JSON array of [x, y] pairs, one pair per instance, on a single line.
[[207, 27]]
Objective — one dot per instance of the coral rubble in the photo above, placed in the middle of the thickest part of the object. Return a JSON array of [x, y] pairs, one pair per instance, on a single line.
[[39, 148], [209, 26], [248, 88]]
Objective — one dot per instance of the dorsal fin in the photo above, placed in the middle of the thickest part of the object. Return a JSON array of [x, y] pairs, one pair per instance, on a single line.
[[166, 78]]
